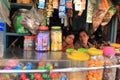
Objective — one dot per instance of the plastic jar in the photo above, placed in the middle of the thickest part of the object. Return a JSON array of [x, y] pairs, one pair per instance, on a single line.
[[29, 42], [56, 38], [96, 60], [116, 47], [118, 69], [42, 40], [109, 60], [78, 59]]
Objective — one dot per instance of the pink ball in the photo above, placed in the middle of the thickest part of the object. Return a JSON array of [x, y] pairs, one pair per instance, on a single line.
[[109, 51]]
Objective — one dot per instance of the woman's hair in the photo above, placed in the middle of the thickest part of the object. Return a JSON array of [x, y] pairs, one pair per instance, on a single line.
[[67, 33], [82, 30]]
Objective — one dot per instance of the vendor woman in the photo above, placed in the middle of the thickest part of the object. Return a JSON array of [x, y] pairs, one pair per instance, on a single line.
[[68, 39], [82, 41]]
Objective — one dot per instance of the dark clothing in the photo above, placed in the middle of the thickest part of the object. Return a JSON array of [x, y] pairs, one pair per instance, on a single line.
[[78, 44]]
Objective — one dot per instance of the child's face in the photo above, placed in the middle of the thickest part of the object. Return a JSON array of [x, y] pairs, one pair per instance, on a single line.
[[69, 39], [83, 37]]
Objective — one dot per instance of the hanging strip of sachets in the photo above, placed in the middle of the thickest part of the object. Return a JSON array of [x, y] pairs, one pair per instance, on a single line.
[[55, 4], [80, 6], [62, 8], [49, 8], [111, 11], [69, 4], [99, 13], [41, 4], [90, 7]]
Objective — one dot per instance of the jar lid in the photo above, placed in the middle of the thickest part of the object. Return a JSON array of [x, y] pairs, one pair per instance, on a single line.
[[115, 45], [43, 28], [69, 50], [83, 50], [95, 51], [117, 55], [108, 51], [56, 27], [29, 36]]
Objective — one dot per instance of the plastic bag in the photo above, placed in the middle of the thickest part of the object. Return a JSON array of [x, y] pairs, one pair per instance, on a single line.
[[17, 16], [31, 20], [99, 12], [108, 15]]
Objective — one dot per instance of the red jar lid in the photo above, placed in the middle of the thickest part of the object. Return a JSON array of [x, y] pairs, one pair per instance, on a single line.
[[43, 28], [30, 37]]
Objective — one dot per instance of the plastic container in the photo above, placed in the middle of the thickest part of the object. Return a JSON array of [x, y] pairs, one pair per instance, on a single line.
[[109, 60], [78, 59], [28, 54], [56, 38], [43, 39], [41, 55], [116, 47], [118, 69], [96, 60], [2, 25], [29, 42]]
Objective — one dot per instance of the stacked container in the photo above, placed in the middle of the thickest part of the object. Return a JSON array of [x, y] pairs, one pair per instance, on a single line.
[[118, 69], [78, 59], [109, 60], [96, 60]]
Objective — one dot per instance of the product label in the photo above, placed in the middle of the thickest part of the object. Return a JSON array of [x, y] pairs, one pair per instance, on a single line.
[[69, 4], [41, 4], [42, 42]]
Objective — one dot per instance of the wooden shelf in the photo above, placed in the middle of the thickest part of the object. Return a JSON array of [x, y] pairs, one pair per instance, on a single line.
[[19, 5], [15, 34]]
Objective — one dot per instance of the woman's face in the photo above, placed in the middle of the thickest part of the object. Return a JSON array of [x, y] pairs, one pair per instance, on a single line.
[[69, 39], [83, 37]]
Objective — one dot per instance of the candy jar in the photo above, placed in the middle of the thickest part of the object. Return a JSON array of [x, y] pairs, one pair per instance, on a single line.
[[23, 76], [116, 47], [96, 60], [56, 38], [63, 76], [109, 60], [78, 59], [54, 76], [37, 76], [43, 40], [118, 69], [29, 42]]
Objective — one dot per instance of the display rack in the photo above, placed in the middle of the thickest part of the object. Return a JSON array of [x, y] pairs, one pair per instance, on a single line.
[[65, 65]]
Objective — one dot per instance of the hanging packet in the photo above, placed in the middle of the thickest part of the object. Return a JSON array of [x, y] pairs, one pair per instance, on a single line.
[[62, 9], [108, 16], [41, 4], [90, 7], [55, 4], [69, 4], [99, 12]]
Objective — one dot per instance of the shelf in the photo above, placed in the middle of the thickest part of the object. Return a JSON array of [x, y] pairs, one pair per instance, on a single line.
[[19, 5], [58, 70], [15, 34]]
